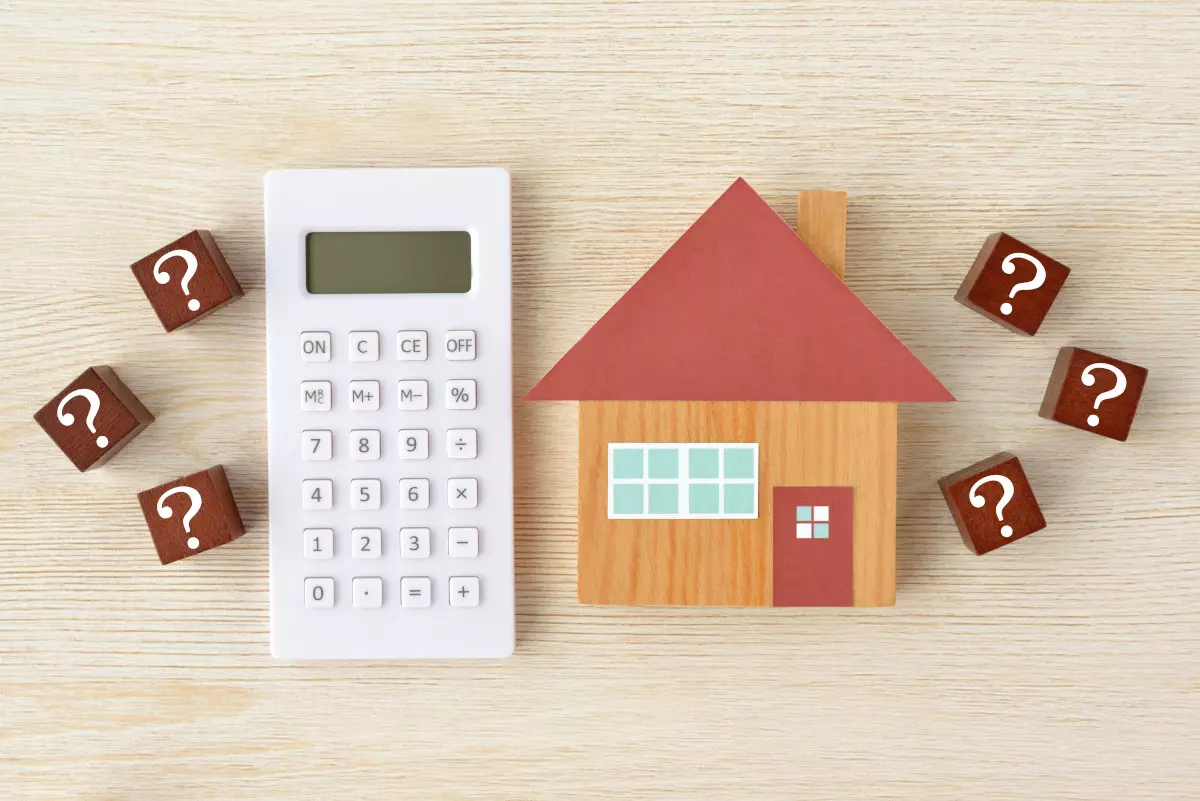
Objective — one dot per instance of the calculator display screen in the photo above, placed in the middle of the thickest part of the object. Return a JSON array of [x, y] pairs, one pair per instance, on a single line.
[[388, 262]]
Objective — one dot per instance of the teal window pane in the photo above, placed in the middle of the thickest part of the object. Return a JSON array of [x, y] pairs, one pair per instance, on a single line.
[[627, 463], [627, 499], [739, 463], [664, 499], [703, 463], [821, 531], [704, 499], [803, 514], [739, 499], [664, 463]]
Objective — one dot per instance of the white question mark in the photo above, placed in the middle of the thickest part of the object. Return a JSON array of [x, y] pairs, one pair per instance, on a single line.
[[192, 264], [1089, 380], [1009, 268], [66, 418], [165, 511], [977, 500]]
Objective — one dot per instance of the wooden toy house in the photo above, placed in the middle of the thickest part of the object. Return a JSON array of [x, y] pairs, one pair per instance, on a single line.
[[737, 426]]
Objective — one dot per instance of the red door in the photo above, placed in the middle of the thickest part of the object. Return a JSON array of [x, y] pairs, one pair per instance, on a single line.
[[813, 548]]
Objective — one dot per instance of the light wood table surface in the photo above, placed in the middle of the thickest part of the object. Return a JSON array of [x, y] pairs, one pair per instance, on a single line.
[[1064, 667]]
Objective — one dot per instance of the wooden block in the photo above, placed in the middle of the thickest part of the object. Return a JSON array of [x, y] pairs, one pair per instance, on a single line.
[[191, 514], [992, 503], [93, 417], [186, 280], [821, 223], [1094, 393], [1012, 283]]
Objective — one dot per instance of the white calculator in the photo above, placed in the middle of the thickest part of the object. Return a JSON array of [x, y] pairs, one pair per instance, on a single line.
[[389, 387]]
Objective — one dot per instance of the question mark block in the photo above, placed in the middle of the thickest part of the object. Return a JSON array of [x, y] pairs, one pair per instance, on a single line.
[[95, 416], [186, 280], [1003, 284], [992, 503], [1094, 392], [191, 515]]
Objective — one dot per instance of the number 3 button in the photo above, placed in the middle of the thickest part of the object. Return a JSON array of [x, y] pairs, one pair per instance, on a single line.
[[414, 543]]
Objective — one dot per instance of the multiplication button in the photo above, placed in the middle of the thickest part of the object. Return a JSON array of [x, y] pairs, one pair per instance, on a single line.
[[462, 493]]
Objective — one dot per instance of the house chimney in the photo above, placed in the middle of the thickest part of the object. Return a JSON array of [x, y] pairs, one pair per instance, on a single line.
[[821, 223]]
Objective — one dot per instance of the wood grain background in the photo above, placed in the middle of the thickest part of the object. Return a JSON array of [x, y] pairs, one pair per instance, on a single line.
[[1064, 667]]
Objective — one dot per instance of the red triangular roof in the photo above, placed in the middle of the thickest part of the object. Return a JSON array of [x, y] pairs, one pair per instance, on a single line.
[[739, 309]]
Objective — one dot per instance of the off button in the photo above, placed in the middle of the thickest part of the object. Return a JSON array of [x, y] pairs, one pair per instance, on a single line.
[[460, 346]]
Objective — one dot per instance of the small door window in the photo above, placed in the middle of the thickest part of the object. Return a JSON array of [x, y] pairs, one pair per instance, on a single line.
[[812, 522]]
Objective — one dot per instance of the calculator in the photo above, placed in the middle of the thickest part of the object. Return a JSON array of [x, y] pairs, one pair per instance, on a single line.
[[389, 395]]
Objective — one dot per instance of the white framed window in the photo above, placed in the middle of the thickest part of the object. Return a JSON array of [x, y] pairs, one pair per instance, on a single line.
[[686, 480]]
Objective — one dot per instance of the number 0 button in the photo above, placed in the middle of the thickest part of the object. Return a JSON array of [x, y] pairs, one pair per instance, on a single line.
[[318, 593]]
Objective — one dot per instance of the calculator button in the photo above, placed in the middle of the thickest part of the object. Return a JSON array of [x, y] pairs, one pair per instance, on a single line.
[[368, 592], [464, 591], [365, 493], [318, 593], [414, 493], [364, 396], [316, 396], [317, 493], [460, 346], [366, 543], [416, 591], [314, 346], [462, 443], [364, 445], [414, 543], [412, 396], [318, 543], [364, 346], [414, 443], [463, 542], [316, 446], [412, 346], [460, 394], [462, 493]]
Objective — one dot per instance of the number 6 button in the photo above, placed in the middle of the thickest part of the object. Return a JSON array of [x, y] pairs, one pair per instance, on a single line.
[[414, 493]]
